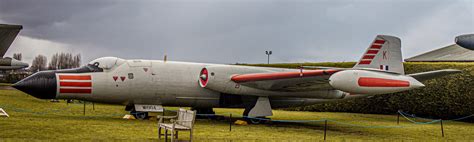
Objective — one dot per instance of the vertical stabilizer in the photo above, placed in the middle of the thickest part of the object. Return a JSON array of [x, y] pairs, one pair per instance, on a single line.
[[385, 54]]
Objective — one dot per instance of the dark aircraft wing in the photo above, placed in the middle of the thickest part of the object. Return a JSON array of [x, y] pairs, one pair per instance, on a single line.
[[297, 81], [7, 35], [422, 76]]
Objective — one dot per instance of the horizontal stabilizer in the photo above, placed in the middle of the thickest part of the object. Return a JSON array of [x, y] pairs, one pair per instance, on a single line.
[[422, 76]]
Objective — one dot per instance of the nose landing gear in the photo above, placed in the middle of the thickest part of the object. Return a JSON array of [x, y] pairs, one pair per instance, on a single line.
[[137, 114]]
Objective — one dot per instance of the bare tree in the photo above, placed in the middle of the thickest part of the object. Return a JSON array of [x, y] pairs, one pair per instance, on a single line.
[[53, 64], [17, 56], [39, 63], [64, 61], [77, 61]]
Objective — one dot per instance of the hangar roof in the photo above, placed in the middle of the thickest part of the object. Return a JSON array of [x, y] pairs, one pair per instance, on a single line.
[[451, 53]]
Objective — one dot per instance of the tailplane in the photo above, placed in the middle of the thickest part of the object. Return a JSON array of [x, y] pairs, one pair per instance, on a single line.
[[385, 54]]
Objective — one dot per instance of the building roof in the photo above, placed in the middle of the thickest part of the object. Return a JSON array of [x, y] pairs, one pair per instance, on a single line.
[[451, 53]]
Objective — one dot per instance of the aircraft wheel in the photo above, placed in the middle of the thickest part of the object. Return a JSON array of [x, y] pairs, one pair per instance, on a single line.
[[139, 115]]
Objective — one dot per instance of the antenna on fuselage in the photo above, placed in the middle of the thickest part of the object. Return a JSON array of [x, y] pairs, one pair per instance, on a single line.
[[165, 58]]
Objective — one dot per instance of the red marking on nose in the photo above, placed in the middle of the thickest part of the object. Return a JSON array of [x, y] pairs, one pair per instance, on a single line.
[[122, 78], [115, 78], [75, 77], [80, 91], [75, 84]]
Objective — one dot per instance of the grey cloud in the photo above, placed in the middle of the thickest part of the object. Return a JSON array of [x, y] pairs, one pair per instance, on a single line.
[[218, 31]]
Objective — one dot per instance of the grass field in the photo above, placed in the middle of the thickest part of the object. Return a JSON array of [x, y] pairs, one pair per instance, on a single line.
[[35, 119]]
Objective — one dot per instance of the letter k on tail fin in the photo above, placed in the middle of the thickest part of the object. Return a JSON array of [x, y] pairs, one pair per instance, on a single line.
[[385, 54]]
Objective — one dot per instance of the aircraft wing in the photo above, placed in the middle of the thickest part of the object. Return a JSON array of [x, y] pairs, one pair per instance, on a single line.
[[296, 81], [422, 76], [7, 35]]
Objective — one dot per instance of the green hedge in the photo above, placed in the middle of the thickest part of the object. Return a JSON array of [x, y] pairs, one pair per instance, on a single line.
[[446, 97]]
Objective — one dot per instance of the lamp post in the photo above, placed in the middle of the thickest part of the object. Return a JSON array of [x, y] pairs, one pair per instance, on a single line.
[[268, 56]]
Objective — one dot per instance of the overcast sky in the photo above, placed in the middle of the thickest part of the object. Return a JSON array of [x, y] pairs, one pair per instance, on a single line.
[[230, 31]]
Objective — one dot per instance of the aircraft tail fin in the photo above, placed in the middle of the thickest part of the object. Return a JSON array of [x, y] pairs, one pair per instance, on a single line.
[[8, 33], [385, 54]]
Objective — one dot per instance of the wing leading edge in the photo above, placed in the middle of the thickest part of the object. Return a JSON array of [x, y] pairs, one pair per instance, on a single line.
[[296, 81]]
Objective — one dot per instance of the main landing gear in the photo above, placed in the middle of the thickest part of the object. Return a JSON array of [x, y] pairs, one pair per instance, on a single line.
[[255, 120]]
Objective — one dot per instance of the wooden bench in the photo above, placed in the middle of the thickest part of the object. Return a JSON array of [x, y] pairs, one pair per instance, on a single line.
[[184, 122]]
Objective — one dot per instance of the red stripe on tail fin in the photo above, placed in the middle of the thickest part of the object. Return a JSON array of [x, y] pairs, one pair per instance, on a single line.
[[379, 41], [365, 62], [372, 52]]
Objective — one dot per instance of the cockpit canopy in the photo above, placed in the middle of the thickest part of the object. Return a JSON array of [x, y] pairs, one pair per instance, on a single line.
[[106, 62]]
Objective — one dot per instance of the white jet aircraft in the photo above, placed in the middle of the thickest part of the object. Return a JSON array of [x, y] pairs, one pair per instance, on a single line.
[[206, 86]]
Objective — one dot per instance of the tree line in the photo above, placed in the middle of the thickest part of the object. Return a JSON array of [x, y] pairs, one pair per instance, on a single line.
[[58, 61]]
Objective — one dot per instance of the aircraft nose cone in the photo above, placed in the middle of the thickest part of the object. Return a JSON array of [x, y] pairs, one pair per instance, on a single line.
[[40, 85]]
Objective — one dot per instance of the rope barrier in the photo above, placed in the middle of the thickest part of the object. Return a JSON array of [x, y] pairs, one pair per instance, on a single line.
[[406, 116], [300, 121]]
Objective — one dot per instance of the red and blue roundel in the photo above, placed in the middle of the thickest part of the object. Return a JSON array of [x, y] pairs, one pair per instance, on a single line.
[[203, 77]]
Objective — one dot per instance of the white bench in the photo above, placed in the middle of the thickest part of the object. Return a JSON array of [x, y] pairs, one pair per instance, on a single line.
[[185, 122]]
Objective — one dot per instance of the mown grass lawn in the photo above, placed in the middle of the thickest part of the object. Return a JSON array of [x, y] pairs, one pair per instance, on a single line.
[[35, 119]]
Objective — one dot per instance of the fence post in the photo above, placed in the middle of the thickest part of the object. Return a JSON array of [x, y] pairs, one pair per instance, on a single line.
[[442, 129], [93, 106], [84, 110], [325, 128], [398, 118], [230, 123]]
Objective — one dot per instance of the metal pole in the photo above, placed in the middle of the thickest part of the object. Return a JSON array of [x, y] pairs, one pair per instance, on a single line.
[[442, 130], [84, 110], [230, 123], [325, 128], [268, 58]]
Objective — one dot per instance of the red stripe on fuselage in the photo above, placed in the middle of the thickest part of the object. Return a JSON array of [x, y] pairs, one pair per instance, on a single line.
[[71, 90], [380, 82], [75, 84], [280, 75], [75, 77]]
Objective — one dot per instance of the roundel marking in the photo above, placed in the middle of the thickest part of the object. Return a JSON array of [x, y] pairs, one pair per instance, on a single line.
[[203, 77]]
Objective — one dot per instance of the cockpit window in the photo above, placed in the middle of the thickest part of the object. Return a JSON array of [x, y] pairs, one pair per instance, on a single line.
[[106, 62], [97, 65]]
